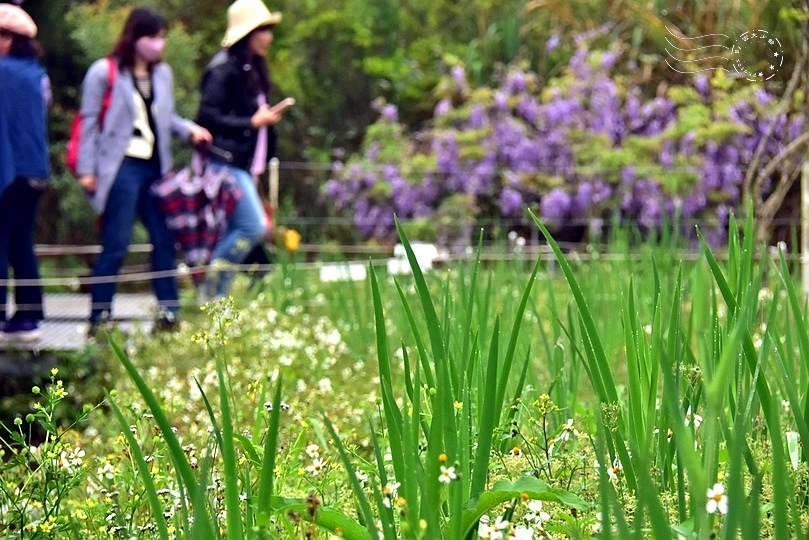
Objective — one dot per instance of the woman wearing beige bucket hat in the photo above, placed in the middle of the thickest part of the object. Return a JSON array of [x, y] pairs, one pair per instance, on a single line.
[[24, 167], [234, 107]]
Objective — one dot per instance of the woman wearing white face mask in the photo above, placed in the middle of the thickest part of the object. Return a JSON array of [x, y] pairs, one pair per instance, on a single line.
[[128, 118]]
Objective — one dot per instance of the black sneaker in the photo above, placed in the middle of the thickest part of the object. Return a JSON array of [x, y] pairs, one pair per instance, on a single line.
[[100, 326], [20, 330], [166, 321]]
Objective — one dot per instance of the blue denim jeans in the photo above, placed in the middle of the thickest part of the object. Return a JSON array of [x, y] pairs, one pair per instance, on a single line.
[[18, 205], [130, 198], [246, 227]]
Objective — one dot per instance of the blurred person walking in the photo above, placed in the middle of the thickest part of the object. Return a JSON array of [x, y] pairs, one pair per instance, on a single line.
[[24, 167], [121, 155], [234, 107]]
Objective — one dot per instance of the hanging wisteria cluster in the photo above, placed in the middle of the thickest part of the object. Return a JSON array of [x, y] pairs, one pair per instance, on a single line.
[[584, 149]]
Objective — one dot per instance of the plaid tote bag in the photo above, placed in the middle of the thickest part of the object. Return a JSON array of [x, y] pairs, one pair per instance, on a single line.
[[196, 202]]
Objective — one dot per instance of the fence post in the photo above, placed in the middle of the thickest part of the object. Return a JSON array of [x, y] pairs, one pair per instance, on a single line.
[[273, 191], [805, 226]]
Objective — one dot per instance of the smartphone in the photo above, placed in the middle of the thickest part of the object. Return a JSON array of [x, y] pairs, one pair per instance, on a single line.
[[283, 105]]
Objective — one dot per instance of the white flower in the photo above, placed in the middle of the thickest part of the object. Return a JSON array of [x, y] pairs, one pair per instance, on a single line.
[[568, 430], [484, 531], [324, 385], [616, 469], [447, 475], [362, 477], [106, 471], [521, 532], [689, 417], [597, 524], [313, 451], [501, 524], [76, 457], [535, 512], [316, 467], [389, 492], [717, 500]]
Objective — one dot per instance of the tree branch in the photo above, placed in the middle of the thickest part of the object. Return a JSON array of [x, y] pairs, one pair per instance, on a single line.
[[783, 106]]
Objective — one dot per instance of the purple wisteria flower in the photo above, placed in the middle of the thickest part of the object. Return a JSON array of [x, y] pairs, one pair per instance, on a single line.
[[552, 44], [555, 206], [583, 146]]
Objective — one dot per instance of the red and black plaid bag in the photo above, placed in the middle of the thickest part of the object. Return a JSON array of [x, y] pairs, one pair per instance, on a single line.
[[196, 201]]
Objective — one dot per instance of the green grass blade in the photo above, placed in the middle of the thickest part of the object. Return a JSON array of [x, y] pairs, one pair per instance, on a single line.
[[508, 359], [365, 508], [266, 483], [143, 471], [431, 317], [178, 458], [601, 366], [229, 458], [488, 419], [420, 346]]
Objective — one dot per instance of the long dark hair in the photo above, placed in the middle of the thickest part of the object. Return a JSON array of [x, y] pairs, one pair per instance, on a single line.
[[24, 47], [142, 22], [258, 77]]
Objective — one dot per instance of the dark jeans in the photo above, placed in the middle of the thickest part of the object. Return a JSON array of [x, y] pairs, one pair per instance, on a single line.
[[18, 205], [130, 198]]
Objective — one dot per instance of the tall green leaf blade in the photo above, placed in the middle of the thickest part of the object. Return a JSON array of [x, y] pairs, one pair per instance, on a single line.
[[143, 471], [266, 484]]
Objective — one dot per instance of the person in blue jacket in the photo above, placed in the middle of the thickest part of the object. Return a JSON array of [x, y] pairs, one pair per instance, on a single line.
[[24, 168], [118, 163]]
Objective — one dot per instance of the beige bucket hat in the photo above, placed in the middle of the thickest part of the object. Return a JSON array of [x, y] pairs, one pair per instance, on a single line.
[[16, 20], [244, 16]]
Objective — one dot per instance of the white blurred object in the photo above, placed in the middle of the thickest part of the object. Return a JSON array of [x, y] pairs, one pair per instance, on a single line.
[[342, 272], [426, 254]]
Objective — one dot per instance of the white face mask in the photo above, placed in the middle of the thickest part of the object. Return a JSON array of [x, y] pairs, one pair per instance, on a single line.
[[150, 48]]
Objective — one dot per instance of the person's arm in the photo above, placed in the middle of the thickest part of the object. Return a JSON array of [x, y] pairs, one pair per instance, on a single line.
[[47, 93], [94, 87], [214, 112], [183, 128]]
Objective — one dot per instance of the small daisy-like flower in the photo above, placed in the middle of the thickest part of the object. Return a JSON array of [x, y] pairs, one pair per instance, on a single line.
[[389, 492], [516, 452], [597, 525], [76, 456], [501, 524], [484, 531], [521, 532], [690, 417], [568, 430], [717, 500], [316, 467], [313, 451], [535, 512], [616, 469], [362, 477], [447, 475]]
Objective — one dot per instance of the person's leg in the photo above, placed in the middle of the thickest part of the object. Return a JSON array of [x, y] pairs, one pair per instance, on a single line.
[[246, 227], [8, 219], [28, 298], [116, 233], [163, 250]]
